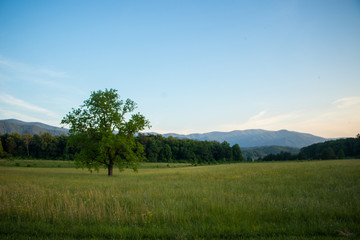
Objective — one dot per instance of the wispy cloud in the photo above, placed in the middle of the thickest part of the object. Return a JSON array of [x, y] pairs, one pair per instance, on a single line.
[[340, 118], [257, 116], [11, 100], [33, 93], [25, 68], [11, 71], [264, 119], [347, 102]]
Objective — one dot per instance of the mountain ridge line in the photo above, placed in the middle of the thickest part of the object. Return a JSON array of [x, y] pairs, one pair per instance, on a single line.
[[244, 138]]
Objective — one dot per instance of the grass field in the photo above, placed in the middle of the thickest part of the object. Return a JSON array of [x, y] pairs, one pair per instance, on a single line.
[[278, 200]]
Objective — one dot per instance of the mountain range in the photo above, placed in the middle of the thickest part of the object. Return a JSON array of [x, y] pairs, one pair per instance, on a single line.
[[14, 125], [256, 138], [245, 138]]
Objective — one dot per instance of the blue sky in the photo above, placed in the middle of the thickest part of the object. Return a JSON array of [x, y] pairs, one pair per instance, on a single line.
[[191, 66]]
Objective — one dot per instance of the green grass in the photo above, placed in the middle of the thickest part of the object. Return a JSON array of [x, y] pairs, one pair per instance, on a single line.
[[36, 163], [70, 164], [279, 200]]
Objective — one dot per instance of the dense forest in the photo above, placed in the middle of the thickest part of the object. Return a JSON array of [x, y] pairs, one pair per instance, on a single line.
[[341, 148], [156, 148], [334, 149], [160, 149], [42, 146], [255, 153]]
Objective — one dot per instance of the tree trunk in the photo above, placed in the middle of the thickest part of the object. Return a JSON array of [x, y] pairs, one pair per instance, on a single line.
[[110, 167], [110, 170]]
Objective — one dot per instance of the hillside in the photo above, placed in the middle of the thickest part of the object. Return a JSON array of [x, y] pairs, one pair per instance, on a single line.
[[256, 138], [13, 125], [259, 152]]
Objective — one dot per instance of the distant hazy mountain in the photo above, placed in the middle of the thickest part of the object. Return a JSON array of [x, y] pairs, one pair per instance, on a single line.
[[13, 125], [245, 138], [256, 138]]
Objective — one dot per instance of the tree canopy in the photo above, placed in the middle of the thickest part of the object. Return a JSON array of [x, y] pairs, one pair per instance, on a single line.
[[103, 135]]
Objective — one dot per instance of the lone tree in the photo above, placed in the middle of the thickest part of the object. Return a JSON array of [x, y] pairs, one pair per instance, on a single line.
[[101, 134]]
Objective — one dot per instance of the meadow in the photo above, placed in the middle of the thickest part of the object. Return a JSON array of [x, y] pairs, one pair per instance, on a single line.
[[274, 200]]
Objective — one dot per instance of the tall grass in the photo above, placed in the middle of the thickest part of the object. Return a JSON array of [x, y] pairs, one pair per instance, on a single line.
[[262, 200]]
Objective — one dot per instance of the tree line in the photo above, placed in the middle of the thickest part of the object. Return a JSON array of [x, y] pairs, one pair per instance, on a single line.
[[156, 148], [333, 149], [42, 146], [160, 149]]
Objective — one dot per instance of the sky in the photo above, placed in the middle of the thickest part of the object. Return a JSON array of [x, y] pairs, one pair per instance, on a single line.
[[192, 66]]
